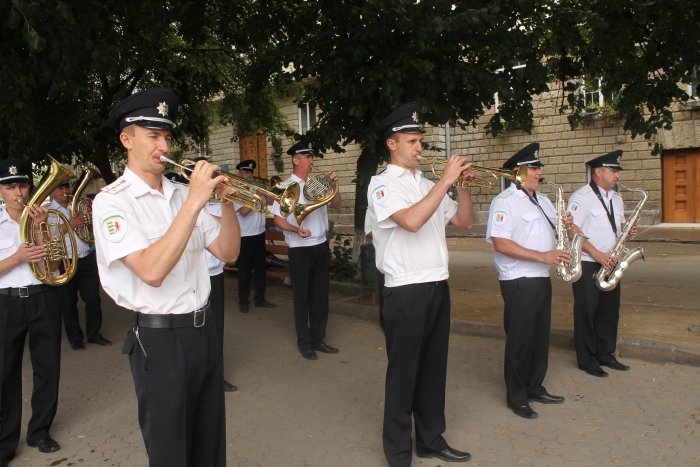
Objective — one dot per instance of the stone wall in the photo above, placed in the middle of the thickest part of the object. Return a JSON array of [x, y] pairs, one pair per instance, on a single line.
[[563, 151]]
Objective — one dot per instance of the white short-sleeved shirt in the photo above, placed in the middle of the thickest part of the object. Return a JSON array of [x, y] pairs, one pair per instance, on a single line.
[[590, 216], [368, 222], [130, 216], [513, 216], [316, 222], [405, 257], [83, 247], [215, 265], [20, 275], [252, 223]]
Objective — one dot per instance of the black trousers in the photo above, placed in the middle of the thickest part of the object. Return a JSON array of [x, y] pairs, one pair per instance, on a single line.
[[252, 256], [86, 282], [216, 301], [527, 318], [417, 332], [178, 376], [380, 292], [596, 316], [308, 270], [39, 316]]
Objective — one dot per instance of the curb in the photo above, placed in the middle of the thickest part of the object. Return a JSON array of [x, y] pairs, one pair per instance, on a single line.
[[636, 240], [642, 349]]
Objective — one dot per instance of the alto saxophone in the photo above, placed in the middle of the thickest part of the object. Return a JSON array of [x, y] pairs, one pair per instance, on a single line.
[[622, 257], [571, 271]]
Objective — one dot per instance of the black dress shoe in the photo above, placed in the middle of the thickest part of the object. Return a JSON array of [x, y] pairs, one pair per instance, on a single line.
[[308, 354], [265, 304], [99, 340], [524, 411], [243, 308], [448, 455], [547, 398], [228, 387], [45, 445], [77, 346], [599, 372], [615, 365], [325, 348]]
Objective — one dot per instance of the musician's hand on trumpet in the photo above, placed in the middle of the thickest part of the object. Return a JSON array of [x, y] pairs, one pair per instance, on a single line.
[[203, 183], [457, 168], [77, 221], [29, 253], [38, 214]]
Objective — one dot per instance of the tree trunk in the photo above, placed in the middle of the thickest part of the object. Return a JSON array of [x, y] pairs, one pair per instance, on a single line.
[[102, 158], [367, 165]]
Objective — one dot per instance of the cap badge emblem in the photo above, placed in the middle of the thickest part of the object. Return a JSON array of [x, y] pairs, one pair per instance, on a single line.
[[311, 146], [163, 109], [13, 170], [415, 117]]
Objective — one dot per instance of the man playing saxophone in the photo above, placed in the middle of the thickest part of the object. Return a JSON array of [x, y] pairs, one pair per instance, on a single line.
[[27, 307], [521, 227], [599, 214]]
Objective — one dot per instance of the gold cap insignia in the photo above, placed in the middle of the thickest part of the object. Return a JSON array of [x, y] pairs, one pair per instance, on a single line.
[[163, 109], [13, 170], [311, 146], [415, 117]]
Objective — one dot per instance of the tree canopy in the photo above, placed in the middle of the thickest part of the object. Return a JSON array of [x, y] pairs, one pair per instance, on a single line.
[[64, 66]]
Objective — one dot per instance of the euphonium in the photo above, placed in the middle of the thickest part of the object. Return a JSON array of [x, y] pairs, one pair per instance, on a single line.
[[80, 205], [318, 190], [623, 257], [485, 177], [571, 271], [51, 233], [287, 197]]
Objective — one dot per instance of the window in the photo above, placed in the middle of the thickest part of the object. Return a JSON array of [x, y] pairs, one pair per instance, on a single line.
[[307, 118], [593, 95]]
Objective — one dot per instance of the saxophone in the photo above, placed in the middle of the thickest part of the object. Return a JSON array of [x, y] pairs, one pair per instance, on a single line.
[[571, 271], [80, 205], [623, 257]]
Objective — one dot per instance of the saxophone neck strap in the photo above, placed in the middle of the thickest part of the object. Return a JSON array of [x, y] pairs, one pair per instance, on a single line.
[[610, 212], [533, 200]]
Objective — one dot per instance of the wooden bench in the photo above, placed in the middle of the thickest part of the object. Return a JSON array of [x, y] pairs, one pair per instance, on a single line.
[[275, 244]]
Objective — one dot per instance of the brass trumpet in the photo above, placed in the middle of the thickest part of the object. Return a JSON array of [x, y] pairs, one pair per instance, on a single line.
[[287, 197], [485, 177]]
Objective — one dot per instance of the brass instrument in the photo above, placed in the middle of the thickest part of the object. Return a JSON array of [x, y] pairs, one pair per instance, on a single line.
[[273, 181], [318, 190], [485, 177], [80, 205], [287, 197], [51, 233], [623, 257], [571, 271]]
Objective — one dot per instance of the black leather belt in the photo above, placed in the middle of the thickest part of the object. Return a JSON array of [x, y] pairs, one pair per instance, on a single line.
[[195, 319], [25, 292]]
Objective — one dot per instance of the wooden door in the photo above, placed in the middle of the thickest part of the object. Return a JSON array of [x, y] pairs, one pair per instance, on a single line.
[[255, 147], [681, 185]]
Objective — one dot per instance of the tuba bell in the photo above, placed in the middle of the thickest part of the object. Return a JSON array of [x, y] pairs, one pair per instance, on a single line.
[[80, 205], [50, 233]]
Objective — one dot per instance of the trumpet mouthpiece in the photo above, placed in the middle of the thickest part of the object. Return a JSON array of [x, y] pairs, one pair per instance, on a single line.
[[164, 159]]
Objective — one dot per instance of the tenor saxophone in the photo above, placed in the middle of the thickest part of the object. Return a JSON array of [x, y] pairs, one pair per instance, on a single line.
[[622, 257], [571, 271]]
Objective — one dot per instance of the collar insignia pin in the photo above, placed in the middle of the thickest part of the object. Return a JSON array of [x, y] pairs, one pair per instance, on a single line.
[[163, 109], [13, 170]]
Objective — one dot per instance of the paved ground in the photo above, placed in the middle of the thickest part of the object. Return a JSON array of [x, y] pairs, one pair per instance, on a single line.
[[296, 413]]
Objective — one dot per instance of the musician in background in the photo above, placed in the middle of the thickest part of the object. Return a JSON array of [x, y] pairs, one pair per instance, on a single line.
[[380, 276], [253, 252], [599, 214], [86, 280], [309, 257], [27, 307], [151, 244], [409, 214], [521, 227]]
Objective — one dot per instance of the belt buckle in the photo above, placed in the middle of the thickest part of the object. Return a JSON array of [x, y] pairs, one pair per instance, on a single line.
[[26, 292], [199, 318]]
